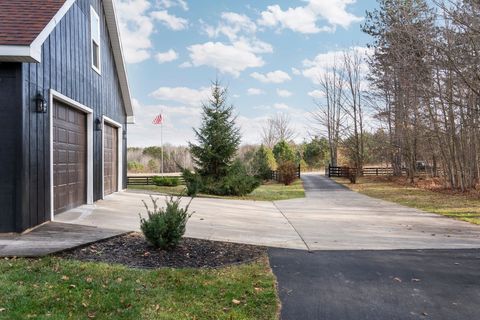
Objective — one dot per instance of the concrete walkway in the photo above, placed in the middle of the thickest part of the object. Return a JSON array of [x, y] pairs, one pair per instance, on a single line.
[[250, 222], [50, 238], [331, 217]]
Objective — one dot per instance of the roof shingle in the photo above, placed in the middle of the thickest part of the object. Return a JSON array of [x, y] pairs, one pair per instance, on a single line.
[[21, 21]]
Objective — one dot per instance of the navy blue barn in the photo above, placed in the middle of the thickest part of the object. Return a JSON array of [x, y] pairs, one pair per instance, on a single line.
[[65, 105]]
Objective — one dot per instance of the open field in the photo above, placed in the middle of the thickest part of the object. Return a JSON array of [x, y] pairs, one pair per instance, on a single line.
[[267, 192], [55, 288], [460, 206]]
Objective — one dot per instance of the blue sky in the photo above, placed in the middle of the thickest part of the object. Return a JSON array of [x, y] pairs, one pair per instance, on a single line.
[[268, 53]]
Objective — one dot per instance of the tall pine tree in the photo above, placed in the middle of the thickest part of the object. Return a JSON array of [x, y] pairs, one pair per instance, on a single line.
[[218, 138]]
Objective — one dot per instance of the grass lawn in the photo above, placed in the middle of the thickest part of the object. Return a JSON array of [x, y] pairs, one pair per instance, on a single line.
[[266, 192], [53, 288], [459, 206]]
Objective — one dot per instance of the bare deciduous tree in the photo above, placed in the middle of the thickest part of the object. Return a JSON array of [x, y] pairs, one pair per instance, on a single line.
[[277, 128]]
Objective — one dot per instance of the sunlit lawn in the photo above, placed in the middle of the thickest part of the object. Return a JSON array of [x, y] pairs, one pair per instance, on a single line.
[[53, 288], [267, 192], [459, 206]]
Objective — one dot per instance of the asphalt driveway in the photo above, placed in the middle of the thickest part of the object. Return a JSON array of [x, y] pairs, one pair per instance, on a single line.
[[378, 285], [331, 217]]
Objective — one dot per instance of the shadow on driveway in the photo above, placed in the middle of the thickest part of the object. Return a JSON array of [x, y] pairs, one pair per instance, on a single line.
[[383, 285]]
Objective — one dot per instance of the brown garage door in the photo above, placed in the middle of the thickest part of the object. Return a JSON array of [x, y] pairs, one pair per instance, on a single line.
[[69, 157], [110, 158]]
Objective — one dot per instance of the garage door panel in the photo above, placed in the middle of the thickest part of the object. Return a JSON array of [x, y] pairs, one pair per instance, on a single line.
[[110, 158], [69, 157]]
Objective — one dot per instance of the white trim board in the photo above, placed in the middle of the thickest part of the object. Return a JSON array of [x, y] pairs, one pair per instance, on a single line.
[[54, 95], [119, 127]]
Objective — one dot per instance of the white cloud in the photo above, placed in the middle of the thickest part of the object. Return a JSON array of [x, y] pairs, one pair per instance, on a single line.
[[323, 63], [231, 59], [241, 51], [167, 56], [255, 92], [281, 106], [306, 19], [271, 77], [166, 4], [317, 94], [183, 95], [170, 21], [136, 29], [284, 93], [231, 25], [296, 72]]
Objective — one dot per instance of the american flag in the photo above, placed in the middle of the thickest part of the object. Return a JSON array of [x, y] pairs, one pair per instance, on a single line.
[[158, 119]]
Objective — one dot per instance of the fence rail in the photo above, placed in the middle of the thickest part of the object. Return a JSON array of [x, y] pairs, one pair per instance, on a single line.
[[347, 172], [146, 180]]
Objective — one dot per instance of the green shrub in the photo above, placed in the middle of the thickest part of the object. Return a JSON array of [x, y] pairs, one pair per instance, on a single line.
[[135, 167], [164, 227], [166, 181], [283, 152], [236, 183], [287, 172], [193, 181]]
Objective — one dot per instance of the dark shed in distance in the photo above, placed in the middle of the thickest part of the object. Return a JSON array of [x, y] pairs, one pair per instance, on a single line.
[[65, 105]]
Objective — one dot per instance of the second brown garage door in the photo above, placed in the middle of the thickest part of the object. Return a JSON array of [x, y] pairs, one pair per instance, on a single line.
[[69, 157], [110, 158]]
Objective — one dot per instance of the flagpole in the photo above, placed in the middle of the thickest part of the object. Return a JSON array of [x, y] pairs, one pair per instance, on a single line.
[[161, 141]]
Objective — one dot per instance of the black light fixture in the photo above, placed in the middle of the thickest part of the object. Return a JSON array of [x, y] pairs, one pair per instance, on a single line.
[[41, 103], [98, 124]]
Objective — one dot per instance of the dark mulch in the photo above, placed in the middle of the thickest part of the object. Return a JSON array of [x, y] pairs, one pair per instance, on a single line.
[[132, 250]]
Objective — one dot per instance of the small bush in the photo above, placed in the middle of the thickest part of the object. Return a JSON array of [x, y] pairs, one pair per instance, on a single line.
[[237, 182], [193, 181], [166, 181], [287, 172], [164, 227]]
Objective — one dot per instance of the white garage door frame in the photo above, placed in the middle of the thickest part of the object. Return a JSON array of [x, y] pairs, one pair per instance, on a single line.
[[119, 127], [55, 95]]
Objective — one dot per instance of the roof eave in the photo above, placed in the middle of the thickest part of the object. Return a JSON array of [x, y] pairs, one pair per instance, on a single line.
[[112, 26], [20, 54]]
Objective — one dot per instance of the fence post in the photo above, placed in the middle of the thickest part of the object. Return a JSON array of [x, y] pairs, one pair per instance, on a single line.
[[329, 175]]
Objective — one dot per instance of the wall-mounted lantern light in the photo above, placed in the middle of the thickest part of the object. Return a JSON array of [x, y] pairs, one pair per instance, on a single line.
[[41, 103], [98, 124]]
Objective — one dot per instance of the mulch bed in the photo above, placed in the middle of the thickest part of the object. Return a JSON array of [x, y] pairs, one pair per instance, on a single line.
[[132, 250]]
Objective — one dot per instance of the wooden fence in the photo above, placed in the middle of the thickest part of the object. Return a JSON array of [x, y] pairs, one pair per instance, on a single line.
[[146, 180], [274, 175], [347, 172]]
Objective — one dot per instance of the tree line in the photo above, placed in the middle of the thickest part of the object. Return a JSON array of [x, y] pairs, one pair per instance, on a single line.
[[422, 86]]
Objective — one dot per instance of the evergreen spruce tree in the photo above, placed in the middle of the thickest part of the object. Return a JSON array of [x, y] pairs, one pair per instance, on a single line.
[[218, 138], [263, 162]]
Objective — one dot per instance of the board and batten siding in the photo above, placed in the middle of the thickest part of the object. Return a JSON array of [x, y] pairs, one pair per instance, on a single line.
[[66, 67], [10, 143]]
